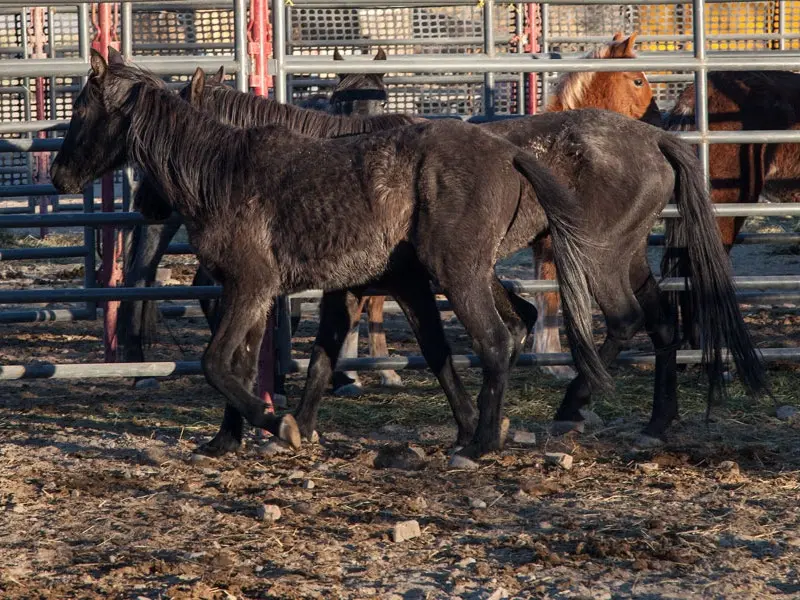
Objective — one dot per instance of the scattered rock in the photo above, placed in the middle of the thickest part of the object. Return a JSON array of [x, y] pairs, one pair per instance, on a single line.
[[275, 446], [648, 468], [728, 466], [153, 456], [268, 512], [404, 457], [498, 594], [538, 487], [788, 413], [147, 383], [198, 459], [591, 419], [462, 462], [305, 508], [18, 508], [405, 531], [296, 475], [418, 504], [476, 503], [527, 438], [465, 562], [308, 484], [559, 459]]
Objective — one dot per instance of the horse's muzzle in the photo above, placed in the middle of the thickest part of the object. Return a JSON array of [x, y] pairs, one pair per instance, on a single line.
[[64, 182]]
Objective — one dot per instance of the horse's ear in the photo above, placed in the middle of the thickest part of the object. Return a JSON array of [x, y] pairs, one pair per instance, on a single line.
[[114, 57], [627, 46], [219, 76], [198, 84], [381, 55], [618, 36], [98, 64], [337, 55]]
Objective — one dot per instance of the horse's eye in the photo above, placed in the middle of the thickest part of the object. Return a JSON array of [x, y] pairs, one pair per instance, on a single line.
[[638, 82]]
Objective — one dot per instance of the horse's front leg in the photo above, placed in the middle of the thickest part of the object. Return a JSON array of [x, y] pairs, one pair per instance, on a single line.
[[546, 337], [377, 340], [138, 319], [337, 311], [231, 360]]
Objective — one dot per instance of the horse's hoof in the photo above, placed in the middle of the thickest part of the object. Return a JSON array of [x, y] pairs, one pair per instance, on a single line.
[[562, 372], [313, 438], [216, 447], [289, 431], [391, 381], [647, 442], [564, 427], [351, 390]]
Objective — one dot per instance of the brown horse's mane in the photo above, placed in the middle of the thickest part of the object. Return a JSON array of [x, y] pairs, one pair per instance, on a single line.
[[571, 87]]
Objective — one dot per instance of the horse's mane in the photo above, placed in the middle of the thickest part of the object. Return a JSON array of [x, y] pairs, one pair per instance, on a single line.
[[571, 87], [192, 158], [247, 110]]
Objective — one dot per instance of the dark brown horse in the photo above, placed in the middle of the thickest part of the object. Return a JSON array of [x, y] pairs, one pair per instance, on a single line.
[[268, 210]]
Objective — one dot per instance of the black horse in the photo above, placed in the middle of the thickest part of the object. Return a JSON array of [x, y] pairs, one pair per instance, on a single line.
[[434, 202], [604, 158]]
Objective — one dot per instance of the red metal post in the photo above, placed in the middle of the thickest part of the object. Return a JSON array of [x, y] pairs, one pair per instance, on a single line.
[[259, 49], [105, 18], [41, 159], [533, 29]]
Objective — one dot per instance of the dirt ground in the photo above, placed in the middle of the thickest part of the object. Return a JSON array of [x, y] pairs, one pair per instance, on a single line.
[[100, 496]]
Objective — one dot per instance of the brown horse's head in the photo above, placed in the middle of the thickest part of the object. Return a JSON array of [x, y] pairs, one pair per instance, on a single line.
[[626, 92]]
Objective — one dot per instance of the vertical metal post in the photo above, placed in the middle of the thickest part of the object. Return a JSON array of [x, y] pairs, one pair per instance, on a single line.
[[781, 25], [240, 43], [258, 47], [89, 266], [111, 272], [545, 23], [701, 82], [519, 31], [41, 159], [128, 180], [534, 31], [489, 50], [51, 17], [26, 101], [279, 48]]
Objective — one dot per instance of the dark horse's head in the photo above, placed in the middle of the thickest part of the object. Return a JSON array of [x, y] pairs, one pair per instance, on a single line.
[[96, 139], [359, 93]]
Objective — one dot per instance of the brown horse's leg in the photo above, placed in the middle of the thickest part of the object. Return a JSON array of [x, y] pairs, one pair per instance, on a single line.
[[348, 383], [545, 338], [377, 339]]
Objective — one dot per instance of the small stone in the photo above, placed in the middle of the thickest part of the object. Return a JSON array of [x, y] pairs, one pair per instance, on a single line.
[[296, 475], [405, 531], [148, 383], [18, 508], [268, 512], [591, 419], [728, 466], [527, 438], [199, 459], [462, 462], [498, 594], [465, 562], [648, 468], [788, 413], [418, 504], [275, 446], [394, 456], [476, 503], [559, 459], [308, 484], [305, 508]]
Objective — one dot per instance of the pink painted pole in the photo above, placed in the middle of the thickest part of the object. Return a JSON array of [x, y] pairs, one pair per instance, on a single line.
[[111, 272], [259, 48], [533, 28], [42, 159]]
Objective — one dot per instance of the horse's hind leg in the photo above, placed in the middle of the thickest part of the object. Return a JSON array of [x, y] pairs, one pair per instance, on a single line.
[[231, 370], [337, 311], [377, 340], [518, 315], [546, 336], [660, 322], [624, 317], [413, 293], [348, 383]]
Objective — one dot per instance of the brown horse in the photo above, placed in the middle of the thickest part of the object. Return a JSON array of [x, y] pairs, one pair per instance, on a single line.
[[628, 93]]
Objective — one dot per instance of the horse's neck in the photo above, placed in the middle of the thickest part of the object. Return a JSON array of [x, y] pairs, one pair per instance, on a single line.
[[254, 111], [192, 156]]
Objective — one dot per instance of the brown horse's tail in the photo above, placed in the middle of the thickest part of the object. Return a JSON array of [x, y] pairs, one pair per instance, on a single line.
[[572, 252], [693, 247]]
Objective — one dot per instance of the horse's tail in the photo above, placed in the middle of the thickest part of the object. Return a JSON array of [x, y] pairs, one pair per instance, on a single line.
[[571, 250], [694, 248]]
